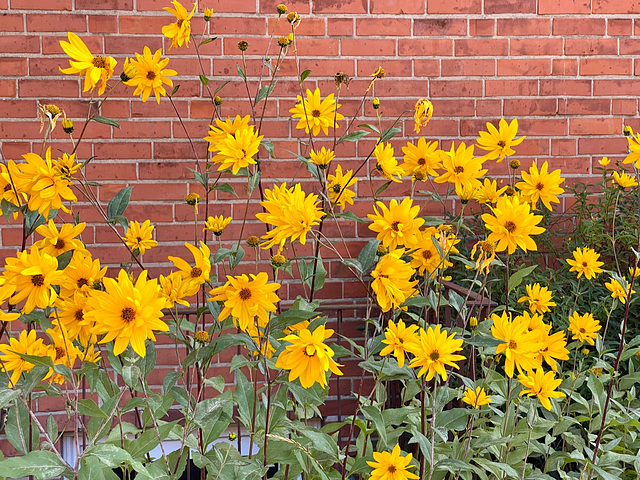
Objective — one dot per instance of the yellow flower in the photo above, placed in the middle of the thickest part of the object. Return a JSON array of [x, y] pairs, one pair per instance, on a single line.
[[488, 192], [476, 398], [179, 31], [70, 313], [66, 166], [541, 185], [224, 128], [82, 274], [140, 237], [604, 162], [634, 150], [208, 13], [237, 150], [618, 290], [49, 114], [379, 73], [316, 115], [584, 327], [624, 180], [198, 274], [397, 338], [174, 289], [397, 225], [150, 74], [292, 212], [296, 327], [486, 254], [585, 261], [422, 114], [127, 313], [512, 224], [539, 298], [498, 143], [27, 344], [427, 257], [216, 224], [338, 187], [308, 357], [247, 301], [392, 280], [57, 242], [322, 158], [520, 346], [462, 169], [386, 163], [391, 466], [9, 190], [554, 347], [95, 69], [423, 158], [634, 272], [433, 350], [541, 385], [61, 352]]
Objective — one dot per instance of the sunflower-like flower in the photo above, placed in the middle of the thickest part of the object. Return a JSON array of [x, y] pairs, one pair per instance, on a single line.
[[70, 313], [140, 237], [175, 289], [180, 30], [386, 163], [322, 158], [624, 180], [247, 301], [10, 360], [539, 298], [127, 313], [95, 69], [461, 168], [82, 274], [199, 273], [476, 398], [66, 165], [486, 254], [9, 190], [291, 211], [433, 350], [429, 243], [56, 242], [338, 187], [422, 114], [618, 290], [498, 143], [62, 351], [392, 280], [397, 337], [424, 157], [585, 262], [308, 358], [49, 115], [224, 128], [391, 465], [512, 223], [541, 185], [634, 150], [237, 150], [397, 225], [584, 327], [488, 192], [216, 224], [316, 114], [541, 385], [554, 347], [520, 346], [150, 74]]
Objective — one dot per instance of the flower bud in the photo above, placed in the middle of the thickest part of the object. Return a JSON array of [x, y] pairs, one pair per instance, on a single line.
[[253, 241], [243, 45], [67, 126], [217, 100], [201, 336], [278, 260], [376, 103], [281, 9], [192, 199], [208, 13], [515, 164]]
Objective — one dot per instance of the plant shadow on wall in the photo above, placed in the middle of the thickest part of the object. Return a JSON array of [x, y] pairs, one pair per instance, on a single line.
[[503, 366]]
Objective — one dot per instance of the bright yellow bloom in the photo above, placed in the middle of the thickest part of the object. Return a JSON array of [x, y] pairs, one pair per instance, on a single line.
[[308, 357], [296, 327], [397, 338], [624, 180], [150, 74], [216, 224], [520, 346], [604, 162], [10, 361], [174, 289], [476, 398], [127, 313], [554, 347], [488, 192], [498, 143], [199, 273], [9, 190], [140, 237], [423, 158], [422, 114], [634, 150], [247, 301], [391, 466], [180, 30], [392, 280], [426, 257], [397, 225], [585, 261], [386, 163], [339, 184], [66, 166], [511, 224], [316, 115], [541, 385], [541, 185], [292, 212], [539, 298], [95, 69], [486, 254], [224, 128], [62, 351], [584, 327], [433, 350], [82, 274], [322, 158], [237, 150], [70, 313], [618, 290], [461, 168], [57, 242]]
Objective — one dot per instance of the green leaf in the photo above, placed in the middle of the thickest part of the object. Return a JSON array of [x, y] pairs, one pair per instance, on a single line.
[[382, 188], [241, 72], [8, 208], [516, 279], [119, 203], [268, 145], [149, 440], [367, 256], [370, 127], [204, 80], [92, 469], [304, 75], [175, 90], [224, 187], [596, 387], [64, 259], [220, 87], [353, 136], [88, 407], [41, 464], [208, 40], [52, 427], [7, 395], [105, 120], [349, 216], [389, 133], [373, 413], [265, 91], [254, 179]]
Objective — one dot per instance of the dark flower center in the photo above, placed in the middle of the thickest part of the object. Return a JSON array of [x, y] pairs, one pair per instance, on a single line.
[[427, 254], [392, 469], [510, 226], [179, 22], [315, 113], [337, 188], [584, 264], [395, 226], [79, 315], [82, 282], [458, 169], [421, 161], [37, 280], [510, 191], [151, 75], [60, 244], [434, 355], [128, 314], [7, 187], [512, 345], [196, 272], [487, 247], [501, 144], [60, 353], [245, 294], [540, 186], [582, 330], [99, 62]]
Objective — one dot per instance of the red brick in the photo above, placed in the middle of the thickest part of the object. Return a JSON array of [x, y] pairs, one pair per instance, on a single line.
[[591, 46], [104, 5], [455, 6], [606, 66], [529, 66], [585, 26], [395, 6], [629, 46], [51, 45], [536, 46], [102, 24], [516, 88], [563, 146], [340, 6], [584, 106], [393, 68], [619, 26], [509, 6], [426, 67], [258, 26], [527, 107], [595, 126], [340, 26], [624, 106], [57, 23], [29, 87], [52, 5], [482, 47], [425, 47], [139, 25], [455, 88], [616, 6], [523, 26], [300, 6], [19, 44], [434, 27], [13, 66], [11, 23], [468, 67], [563, 6], [602, 145], [488, 108], [383, 26], [366, 47], [545, 127], [564, 66], [18, 109], [575, 88]]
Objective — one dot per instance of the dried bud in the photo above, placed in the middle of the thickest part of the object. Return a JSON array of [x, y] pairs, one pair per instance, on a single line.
[[379, 73], [281, 9], [510, 191], [192, 199], [253, 241], [243, 45], [376, 103], [341, 78], [381, 250], [515, 164], [293, 18], [419, 176], [217, 100], [283, 41], [201, 336], [278, 260]]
